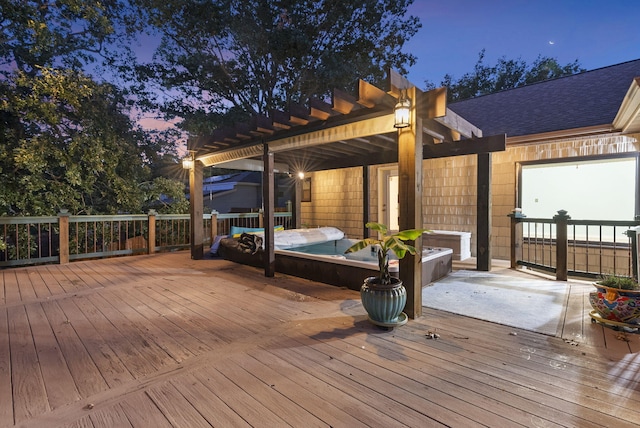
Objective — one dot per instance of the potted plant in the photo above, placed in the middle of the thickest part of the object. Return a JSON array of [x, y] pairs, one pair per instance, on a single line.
[[616, 299], [384, 296]]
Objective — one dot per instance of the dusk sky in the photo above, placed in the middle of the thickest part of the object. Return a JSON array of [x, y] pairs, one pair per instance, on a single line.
[[597, 33]]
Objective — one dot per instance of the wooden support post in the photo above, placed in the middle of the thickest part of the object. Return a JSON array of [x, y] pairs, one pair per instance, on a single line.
[[196, 205], [268, 198], [516, 238], [63, 223], [410, 195], [562, 245], [365, 200], [151, 241], [483, 238]]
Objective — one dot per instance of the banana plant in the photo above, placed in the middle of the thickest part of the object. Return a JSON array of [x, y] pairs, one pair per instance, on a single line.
[[386, 242]]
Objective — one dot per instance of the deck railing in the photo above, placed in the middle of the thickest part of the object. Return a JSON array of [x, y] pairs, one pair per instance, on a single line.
[[64, 238], [580, 248]]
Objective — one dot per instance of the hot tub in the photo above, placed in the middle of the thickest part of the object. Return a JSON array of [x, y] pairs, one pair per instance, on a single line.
[[326, 262]]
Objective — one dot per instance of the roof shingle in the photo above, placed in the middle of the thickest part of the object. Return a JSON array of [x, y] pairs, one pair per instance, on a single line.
[[581, 100]]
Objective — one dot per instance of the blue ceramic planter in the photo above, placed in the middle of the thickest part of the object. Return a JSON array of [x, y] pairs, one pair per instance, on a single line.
[[384, 303]]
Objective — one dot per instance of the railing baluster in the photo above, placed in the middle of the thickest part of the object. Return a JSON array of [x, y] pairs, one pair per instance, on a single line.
[[597, 250]]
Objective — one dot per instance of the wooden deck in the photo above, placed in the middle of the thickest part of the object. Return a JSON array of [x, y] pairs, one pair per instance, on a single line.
[[163, 340]]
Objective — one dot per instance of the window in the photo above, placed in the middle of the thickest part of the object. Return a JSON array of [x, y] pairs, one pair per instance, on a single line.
[[601, 189], [306, 189]]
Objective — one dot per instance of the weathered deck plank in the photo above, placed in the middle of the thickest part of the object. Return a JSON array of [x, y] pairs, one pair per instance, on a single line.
[[163, 340], [29, 392], [116, 339], [86, 374], [11, 287], [142, 412], [242, 403], [154, 355], [40, 287], [6, 384], [210, 406], [61, 387], [113, 370], [113, 417], [293, 413], [376, 390], [175, 407], [291, 385]]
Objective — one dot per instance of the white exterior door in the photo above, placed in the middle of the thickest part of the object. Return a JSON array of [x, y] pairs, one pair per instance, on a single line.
[[388, 203]]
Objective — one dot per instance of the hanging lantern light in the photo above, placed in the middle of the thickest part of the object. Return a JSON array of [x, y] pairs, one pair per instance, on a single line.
[[402, 111], [188, 162]]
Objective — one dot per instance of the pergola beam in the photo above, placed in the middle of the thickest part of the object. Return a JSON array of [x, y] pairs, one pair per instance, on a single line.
[[454, 121], [364, 128], [493, 143]]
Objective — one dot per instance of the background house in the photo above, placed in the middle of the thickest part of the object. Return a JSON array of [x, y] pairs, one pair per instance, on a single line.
[[242, 192]]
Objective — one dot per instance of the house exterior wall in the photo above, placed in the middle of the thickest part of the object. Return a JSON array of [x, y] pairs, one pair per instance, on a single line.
[[336, 200], [450, 189]]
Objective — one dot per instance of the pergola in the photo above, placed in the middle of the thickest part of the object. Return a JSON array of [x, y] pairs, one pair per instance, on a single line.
[[353, 131]]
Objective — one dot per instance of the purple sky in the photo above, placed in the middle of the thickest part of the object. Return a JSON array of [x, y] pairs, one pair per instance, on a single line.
[[597, 33]]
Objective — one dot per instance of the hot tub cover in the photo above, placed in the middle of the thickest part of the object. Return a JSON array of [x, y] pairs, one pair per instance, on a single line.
[[292, 238]]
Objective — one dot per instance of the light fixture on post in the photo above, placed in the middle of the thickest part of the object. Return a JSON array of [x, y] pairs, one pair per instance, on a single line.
[[402, 111], [188, 161]]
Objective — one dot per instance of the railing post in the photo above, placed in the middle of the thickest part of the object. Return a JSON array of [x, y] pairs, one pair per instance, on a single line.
[[261, 218], [562, 245], [63, 223], [516, 236], [214, 225], [151, 243], [633, 236]]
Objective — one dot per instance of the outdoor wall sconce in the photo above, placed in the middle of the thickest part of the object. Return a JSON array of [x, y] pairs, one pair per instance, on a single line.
[[188, 161], [402, 112], [301, 175]]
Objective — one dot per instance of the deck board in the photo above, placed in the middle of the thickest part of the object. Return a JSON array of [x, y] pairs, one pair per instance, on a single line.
[[291, 386], [113, 370], [141, 411], [163, 340], [293, 414], [113, 417], [517, 375], [6, 400], [86, 374], [239, 400], [209, 405], [175, 407], [60, 384], [29, 393], [373, 384], [110, 335]]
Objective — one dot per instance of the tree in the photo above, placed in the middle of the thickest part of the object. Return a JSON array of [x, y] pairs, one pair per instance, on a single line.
[[220, 61], [66, 34], [506, 74], [68, 140]]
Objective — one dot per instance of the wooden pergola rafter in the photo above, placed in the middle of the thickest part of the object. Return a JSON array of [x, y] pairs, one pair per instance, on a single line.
[[354, 131]]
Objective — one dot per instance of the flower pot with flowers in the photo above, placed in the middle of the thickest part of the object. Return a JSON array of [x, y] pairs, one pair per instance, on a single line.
[[616, 300], [383, 296]]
